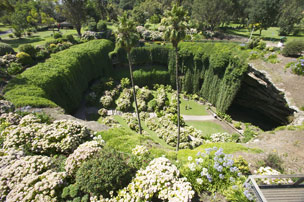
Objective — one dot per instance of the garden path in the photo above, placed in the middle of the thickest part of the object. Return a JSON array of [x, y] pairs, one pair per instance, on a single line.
[[198, 118]]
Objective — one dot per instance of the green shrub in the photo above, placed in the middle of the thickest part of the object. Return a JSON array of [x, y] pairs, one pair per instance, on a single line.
[[63, 78], [24, 58], [92, 26], [106, 172], [274, 161], [293, 48], [17, 34], [42, 54], [29, 49], [57, 35], [150, 77], [101, 26], [5, 49], [11, 36], [14, 68], [70, 38]]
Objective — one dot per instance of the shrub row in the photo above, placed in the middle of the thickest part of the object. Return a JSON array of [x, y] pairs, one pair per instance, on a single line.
[[152, 54], [63, 78], [150, 77]]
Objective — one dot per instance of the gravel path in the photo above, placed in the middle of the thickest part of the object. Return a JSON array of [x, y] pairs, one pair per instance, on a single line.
[[198, 118]]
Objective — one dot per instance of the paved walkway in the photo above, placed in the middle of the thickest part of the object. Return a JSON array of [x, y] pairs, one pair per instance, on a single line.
[[198, 118]]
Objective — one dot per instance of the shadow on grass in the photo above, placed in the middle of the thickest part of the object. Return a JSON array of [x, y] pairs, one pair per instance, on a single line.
[[17, 42]]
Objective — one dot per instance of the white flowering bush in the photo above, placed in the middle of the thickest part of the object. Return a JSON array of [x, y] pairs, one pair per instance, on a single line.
[[110, 122], [106, 101], [42, 187], [140, 157], [6, 106], [140, 150], [81, 154], [131, 121], [167, 130], [124, 102], [270, 171], [62, 136], [160, 180], [221, 137], [211, 171], [10, 118], [13, 174], [7, 156]]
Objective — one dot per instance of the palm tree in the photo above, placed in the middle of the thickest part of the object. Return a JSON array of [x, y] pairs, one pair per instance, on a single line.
[[175, 23], [127, 38]]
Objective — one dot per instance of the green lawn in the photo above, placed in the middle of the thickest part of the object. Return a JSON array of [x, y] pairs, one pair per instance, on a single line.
[[195, 108], [207, 127], [38, 38], [4, 28], [271, 34]]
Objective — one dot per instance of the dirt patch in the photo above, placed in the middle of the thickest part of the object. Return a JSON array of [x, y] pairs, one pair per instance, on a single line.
[[287, 144], [283, 78]]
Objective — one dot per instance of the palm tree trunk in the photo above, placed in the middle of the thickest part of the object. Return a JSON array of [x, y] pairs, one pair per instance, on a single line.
[[134, 92], [177, 92]]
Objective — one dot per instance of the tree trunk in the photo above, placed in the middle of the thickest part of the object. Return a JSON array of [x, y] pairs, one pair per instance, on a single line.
[[134, 92], [78, 29], [177, 92], [260, 32]]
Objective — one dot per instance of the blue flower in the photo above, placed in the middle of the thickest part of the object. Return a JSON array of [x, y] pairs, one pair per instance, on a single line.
[[221, 176]]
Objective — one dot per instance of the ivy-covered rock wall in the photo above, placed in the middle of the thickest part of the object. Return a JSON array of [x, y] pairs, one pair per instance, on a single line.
[[212, 70]]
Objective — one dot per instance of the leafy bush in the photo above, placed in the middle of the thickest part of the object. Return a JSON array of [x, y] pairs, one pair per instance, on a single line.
[[101, 26], [293, 48], [58, 81], [211, 171], [5, 49], [57, 35], [70, 38], [298, 67], [92, 26], [106, 172], [273, 160], [73, 193], [24, 58], [14, 68], [11, 36], [29, 49], [42, 54]]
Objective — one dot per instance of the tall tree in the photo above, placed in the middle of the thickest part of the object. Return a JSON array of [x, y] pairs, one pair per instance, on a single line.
[[75, 12], [176, 24], [291, 13], [127, 38], [212, 13], [264, 12]]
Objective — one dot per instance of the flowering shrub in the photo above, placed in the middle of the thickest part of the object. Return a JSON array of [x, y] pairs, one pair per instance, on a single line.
[[106, 101], [6, 106], [7, 156], [124, 101], [10, 118], [298, 67], [13, 174], [222, 137], [81, 154], [43, 187], [62, 136], [110, 122], [140, 157], [167, 130], [270, 171], [238, 193], [131, 121], [211, 171], [160, 180]]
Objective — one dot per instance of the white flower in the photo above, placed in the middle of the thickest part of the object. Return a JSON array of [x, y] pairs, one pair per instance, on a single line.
[[189, 158], [199, 180]]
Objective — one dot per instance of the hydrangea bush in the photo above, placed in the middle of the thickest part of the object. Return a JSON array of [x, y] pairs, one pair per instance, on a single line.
[[269, 171], [124, 102], [81, 154], [211, 171], [110, 122], [13, 174], [62, 136], [160, 180]]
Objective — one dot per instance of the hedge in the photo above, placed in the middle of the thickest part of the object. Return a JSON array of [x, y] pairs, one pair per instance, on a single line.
[[62, 79], [212, 70], [144, 77]]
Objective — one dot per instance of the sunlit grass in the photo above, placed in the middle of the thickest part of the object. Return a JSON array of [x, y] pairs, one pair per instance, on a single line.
[[207, 127]]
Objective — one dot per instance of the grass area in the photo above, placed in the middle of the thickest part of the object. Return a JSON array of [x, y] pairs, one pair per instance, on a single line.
[[125, 140], [4, 28], [152, 134], [271, 34], [38, 38], [229, 148], [195, 108], [207, 127]]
